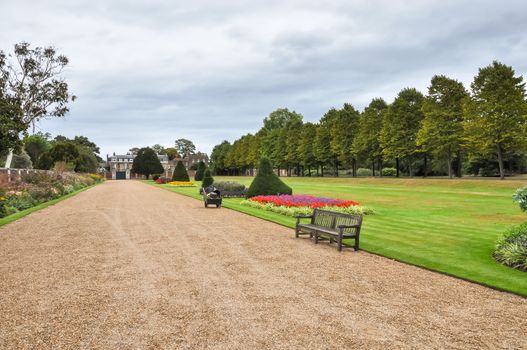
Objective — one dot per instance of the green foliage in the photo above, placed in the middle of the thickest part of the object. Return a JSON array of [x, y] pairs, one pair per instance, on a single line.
[[159, 149], [21, 160], [86, 162], [207, 179], [343, 130], [389, 172], [305, 145], [37, 188], [146, 163], [172, 154], [219, 155], [35, 145], [401, 124], [180, 173], [229, 186], [184, 147], [267, 182], [496, 114], [520, 197], [64, 151], [34, 80], [200, 171], [282, 118], [366, 143], [511, 249], [11, 124], [441, 129], [364, 172]]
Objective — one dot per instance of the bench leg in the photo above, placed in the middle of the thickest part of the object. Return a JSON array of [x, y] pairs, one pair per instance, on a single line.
[[296, 232], [339, 241], [356, 243], [316, 237]]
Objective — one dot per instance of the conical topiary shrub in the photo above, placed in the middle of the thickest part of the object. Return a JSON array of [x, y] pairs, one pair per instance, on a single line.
[[180, 173], [207, 179], [200, 171], [267, 182]]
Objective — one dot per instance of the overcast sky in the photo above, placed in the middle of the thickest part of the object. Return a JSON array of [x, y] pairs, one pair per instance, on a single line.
[[152, 71]]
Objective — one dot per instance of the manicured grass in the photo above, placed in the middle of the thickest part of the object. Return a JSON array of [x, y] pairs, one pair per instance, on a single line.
[[444, 225], [6, 220]]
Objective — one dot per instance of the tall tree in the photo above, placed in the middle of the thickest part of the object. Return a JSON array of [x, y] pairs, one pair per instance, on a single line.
[[281, 118], [218, 155], [171, 152], [159, 149], [441, 129], [33, 77], [35, 145], [184, 147], [146, 163], [292, 141], [343, 129], [305, 146], [366, 144], [322, 144], [400, 126], [11, 126], [495, 115]]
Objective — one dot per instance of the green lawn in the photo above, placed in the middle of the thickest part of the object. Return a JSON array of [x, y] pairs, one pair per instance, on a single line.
[[444, 225]]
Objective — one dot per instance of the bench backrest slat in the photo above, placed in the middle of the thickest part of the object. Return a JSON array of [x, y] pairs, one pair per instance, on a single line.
[[331, 219]]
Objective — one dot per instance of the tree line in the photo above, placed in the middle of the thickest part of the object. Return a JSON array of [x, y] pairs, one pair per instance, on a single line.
[[449, 131]]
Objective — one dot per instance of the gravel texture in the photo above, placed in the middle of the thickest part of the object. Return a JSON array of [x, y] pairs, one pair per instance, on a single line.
[[126, 265]]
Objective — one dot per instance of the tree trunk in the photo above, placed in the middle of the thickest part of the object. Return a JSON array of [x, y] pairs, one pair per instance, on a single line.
[[373, 167], [425, 165], [397, 167], [500, 163], [322, 170], [336, 168], [459, 170], [449, 162], [380, 167], [353, 168]]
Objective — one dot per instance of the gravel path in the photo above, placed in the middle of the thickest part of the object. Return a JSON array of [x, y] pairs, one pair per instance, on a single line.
[[126, 265]]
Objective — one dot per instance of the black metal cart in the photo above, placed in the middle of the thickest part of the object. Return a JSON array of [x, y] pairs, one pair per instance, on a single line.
[[211, 196]]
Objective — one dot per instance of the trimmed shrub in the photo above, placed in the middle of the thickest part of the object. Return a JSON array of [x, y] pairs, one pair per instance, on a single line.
[[511, 249], [389, 172], [180, 173], [229, 186], [200, 171], [364, 172], [267, 182], [156, 176], [207, 179], [520, 197]]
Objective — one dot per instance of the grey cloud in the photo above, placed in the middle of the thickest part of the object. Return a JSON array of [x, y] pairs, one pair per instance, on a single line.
[[152, 71]]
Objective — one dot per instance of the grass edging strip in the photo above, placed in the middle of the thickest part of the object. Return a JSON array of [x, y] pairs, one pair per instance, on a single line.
[[18, 215], [288, 225]]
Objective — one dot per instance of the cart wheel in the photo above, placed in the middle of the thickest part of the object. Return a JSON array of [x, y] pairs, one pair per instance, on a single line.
[[218, 205]]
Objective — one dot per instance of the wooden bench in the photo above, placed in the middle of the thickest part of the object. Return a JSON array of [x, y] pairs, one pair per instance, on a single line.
[[330, 225]]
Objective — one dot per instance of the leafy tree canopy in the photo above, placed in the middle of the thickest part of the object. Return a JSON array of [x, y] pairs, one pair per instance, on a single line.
[[147, 163], [184, 147]]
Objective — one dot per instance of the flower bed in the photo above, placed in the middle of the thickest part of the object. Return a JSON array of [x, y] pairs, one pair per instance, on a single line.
[[36, 188], [182, 183], [292, 205]]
